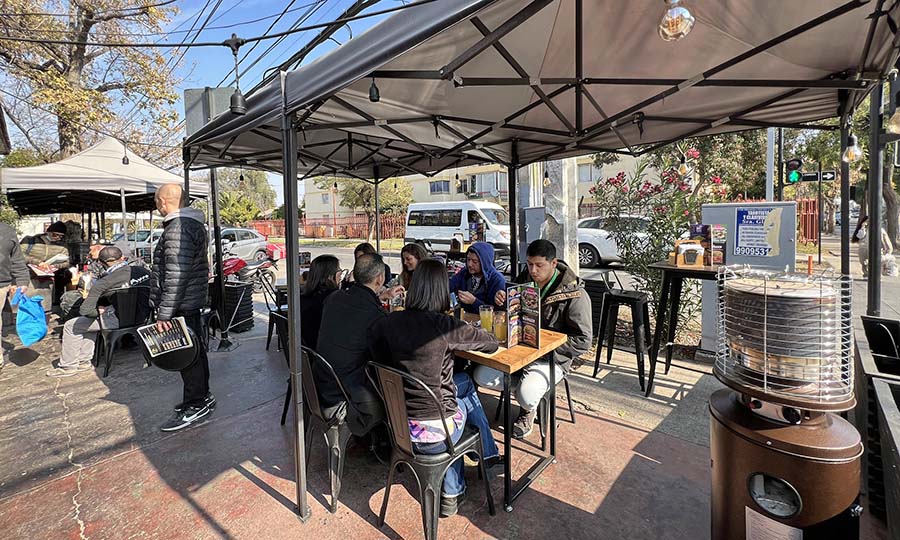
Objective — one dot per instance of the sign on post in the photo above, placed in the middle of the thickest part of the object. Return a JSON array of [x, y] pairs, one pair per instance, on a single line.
[[828, 176], [757, 232], [809, 177]]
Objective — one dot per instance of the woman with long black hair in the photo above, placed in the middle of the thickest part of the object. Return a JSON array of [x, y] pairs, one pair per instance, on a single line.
[[323, 279], [421, 340]]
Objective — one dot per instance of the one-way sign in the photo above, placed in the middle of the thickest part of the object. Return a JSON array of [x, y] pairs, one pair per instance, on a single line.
[[828, 176], [809, 177]]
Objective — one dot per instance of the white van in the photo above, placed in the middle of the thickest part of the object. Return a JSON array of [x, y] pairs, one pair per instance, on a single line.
[[440, 222]]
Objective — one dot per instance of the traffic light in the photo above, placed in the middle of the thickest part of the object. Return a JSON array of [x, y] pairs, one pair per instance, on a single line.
[[793, 167]]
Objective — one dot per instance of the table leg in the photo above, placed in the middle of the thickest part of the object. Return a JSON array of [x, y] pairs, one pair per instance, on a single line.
[[507, 443], [552, 408], [675, 299], [657, 332]]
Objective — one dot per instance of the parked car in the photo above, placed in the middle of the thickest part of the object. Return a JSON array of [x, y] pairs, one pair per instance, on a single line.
[[440, 222], [596, 244], [245, 243], [140, 242]]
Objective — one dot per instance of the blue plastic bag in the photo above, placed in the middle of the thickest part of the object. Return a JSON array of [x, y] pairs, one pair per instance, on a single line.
[[31, 323]]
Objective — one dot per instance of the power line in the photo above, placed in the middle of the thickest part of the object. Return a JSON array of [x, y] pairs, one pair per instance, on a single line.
[[171, 32], [219, 43], [89, 128]]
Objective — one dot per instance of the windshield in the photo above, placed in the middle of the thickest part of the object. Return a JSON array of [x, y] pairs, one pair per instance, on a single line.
[[497, 217], [140, 236]]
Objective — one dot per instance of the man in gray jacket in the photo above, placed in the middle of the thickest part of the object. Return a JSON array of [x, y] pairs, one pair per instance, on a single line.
[[13, 272], [565, 308], [180, 286]]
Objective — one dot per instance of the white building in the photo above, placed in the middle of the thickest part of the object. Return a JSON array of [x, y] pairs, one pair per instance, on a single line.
[[483, 182]]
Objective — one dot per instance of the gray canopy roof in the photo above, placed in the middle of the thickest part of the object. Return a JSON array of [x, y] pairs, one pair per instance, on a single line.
[[460, 80]]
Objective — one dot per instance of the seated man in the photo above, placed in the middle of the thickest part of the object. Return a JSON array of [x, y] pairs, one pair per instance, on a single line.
[[346, 318], [565, 308], [479, 282], [79, 334]]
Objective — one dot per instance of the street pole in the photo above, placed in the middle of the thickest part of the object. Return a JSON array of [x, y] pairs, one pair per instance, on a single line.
[[779, 193], [377, 211], [876, 159], [821, 221]]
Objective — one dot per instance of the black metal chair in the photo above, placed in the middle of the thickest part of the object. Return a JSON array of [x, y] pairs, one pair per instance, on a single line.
[[640, 317], [330, 420], [428, 469], [883, 336], [132, 311], [276, 308]]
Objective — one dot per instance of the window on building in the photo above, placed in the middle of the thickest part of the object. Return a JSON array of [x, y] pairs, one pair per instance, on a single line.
[[439, 186], [502, 182], [326, 198], [584, 173], [461, 185]]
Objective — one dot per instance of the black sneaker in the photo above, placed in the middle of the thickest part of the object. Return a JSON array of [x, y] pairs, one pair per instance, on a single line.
[[524, 424], [450, 505], [209, 401], [187, 417]]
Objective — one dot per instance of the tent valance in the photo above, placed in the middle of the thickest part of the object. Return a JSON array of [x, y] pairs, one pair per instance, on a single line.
[[91, 180]]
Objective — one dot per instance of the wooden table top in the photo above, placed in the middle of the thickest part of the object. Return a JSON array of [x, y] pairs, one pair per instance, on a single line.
[[697, 272], [515, 358]]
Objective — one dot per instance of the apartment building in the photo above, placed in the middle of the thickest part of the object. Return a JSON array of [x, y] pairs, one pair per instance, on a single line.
[[482, 182]]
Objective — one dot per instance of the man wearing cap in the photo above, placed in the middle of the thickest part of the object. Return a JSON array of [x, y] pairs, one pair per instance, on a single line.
[[80, 333]]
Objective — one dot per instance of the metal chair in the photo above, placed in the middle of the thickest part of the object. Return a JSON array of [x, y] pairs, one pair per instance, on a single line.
[[330, 420], [132, 311], [609, 316], [428, 469], [276, 308], [883, 336]]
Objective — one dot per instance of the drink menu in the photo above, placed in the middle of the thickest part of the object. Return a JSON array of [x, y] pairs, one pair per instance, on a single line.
[[172, 339], [523, 308]]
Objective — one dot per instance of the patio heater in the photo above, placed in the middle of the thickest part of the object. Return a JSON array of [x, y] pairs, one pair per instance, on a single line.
[[784, 465]]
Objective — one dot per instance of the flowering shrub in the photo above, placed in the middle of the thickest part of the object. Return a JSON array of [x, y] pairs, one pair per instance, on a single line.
[[665, 208]]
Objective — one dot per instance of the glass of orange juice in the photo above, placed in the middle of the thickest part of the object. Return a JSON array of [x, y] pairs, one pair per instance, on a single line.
[[487, 318], [500, 326]]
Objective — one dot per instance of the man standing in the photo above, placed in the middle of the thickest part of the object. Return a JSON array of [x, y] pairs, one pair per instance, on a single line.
[[80, 333], [180, 274], [565, 308], [479, 282], [13, 272], [346, 319]]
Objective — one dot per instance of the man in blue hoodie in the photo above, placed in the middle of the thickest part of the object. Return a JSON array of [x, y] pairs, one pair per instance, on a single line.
[[479, 282]]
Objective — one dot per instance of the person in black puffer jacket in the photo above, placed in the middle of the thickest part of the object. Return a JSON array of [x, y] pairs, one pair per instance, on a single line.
[[180, 276]]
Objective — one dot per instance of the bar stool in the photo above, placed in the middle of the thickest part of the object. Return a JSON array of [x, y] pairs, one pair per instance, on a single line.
[[640, 315]]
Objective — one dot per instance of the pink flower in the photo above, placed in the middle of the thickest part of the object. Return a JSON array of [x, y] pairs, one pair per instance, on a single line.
[[716, 180], [624, 189], [692, 153], [687, 213]]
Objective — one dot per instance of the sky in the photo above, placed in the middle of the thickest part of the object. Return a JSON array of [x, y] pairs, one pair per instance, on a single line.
[[208, 66]]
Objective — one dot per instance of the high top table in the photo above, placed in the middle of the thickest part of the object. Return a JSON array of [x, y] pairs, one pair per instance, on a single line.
[[672, 281], [509, 361]]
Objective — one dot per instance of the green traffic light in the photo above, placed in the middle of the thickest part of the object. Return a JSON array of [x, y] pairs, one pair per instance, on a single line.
[[793, 177]]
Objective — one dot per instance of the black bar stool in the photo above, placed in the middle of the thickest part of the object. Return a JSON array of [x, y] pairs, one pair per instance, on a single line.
[[640, 316]]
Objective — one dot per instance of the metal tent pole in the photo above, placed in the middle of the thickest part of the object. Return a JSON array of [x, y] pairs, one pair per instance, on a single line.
[[779, 193], [89, 226], [124, 215], [876, 159], [512, 181], [377, 211], [186, 158], [224, 343], [291, 236], [845, 199]]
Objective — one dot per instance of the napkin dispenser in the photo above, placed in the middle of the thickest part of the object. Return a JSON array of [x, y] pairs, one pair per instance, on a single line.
[[688, 253]]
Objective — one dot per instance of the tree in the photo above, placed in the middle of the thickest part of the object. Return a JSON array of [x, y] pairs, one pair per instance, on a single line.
[[251, 184], [87, 86], [235, 209], [394, 196]]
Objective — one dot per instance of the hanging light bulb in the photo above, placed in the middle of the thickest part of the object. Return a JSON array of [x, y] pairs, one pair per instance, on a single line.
[[676, 21], [238, 102], [124, 154], [546, 178], [853, 152], [395, 184], [374, 94], [682, 169]]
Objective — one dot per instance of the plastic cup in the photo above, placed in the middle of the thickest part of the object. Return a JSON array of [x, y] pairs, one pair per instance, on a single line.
[[487, 318], [500, 326]]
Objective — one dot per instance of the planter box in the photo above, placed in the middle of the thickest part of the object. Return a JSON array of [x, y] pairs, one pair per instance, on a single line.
[[865, 418], [888, 398]]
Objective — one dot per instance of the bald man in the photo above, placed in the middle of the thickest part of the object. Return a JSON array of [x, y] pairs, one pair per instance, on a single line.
[[180, 270]]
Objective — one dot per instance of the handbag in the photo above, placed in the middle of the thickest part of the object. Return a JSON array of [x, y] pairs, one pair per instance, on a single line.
[[31, 322]]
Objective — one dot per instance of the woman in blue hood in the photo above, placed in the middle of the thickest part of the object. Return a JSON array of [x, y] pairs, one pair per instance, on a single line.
[[479, 281]]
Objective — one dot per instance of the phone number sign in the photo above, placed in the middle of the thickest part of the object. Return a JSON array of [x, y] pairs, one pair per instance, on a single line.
[[757, 231]]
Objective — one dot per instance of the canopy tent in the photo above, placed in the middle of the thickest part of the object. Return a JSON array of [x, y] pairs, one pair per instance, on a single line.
[[93, 180], [522, 81]]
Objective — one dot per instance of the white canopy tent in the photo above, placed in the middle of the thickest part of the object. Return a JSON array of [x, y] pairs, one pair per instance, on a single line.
[[96, 179]]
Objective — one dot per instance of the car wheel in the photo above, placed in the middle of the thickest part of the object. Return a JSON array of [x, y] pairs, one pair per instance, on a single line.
[[260, 256], [588, 256]]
